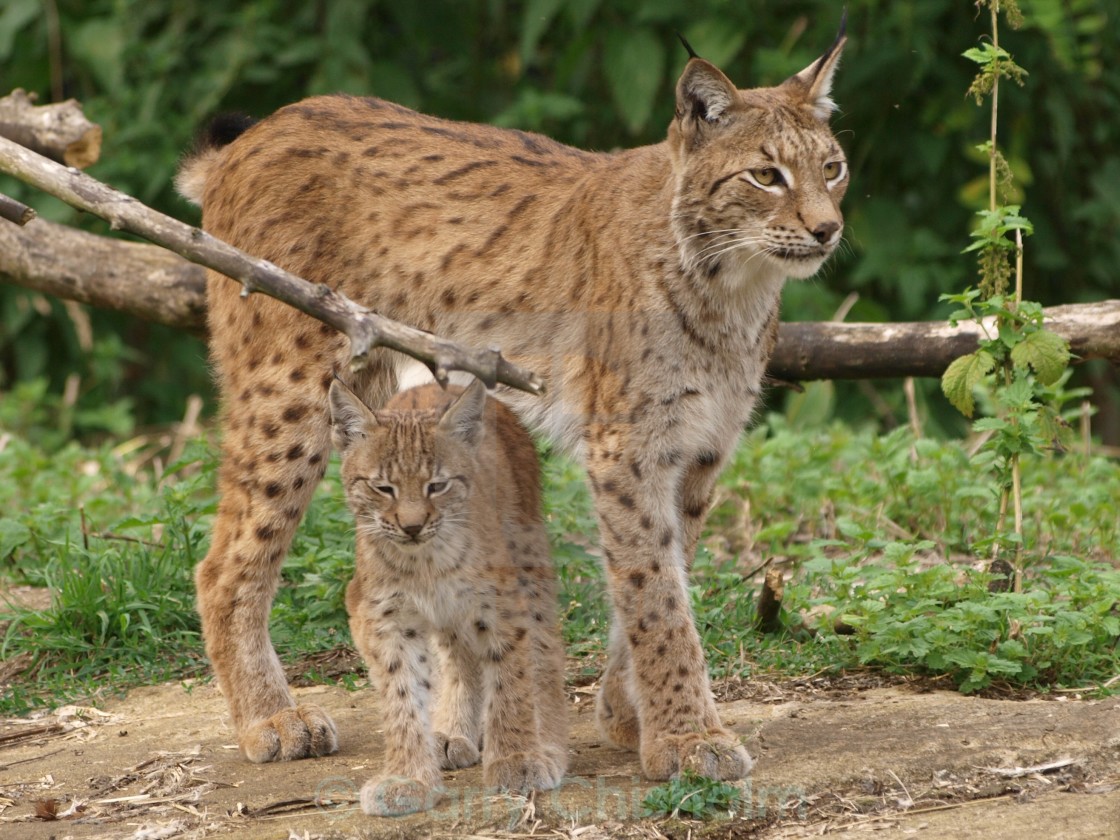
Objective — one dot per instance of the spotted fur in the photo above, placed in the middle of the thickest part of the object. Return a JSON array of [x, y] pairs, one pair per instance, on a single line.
[[452, 553], [643, 284]]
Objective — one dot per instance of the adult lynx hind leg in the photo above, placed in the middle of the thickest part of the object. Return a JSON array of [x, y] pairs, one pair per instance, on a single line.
[[275, 448], [273, 367]]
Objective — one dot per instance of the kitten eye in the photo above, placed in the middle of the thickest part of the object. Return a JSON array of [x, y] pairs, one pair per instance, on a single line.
[[384, 489], [833, 170], [767, 176], [436, 487]]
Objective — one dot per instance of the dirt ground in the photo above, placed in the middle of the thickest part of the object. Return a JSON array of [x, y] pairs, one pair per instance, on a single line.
[[838, 760]]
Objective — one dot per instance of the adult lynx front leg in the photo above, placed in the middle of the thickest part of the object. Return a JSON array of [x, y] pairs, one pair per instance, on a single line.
[[654, 637]]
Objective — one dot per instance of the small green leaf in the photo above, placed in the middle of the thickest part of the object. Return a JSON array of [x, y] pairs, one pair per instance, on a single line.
[[962, 376], [634, 63], [12, 535], [1044, 352]]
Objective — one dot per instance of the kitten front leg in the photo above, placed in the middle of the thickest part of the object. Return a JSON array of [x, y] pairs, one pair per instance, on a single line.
[[458, 717], [513, 756], [392, 642], [642, 534]]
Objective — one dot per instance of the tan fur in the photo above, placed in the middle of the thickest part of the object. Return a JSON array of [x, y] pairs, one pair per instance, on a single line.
[[643, 284], [452, 550]]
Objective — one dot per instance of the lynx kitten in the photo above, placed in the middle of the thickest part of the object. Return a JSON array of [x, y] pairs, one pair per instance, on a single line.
[[643, 284], [451, 550]]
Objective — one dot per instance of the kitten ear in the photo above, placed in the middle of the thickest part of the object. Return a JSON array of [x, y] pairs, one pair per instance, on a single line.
[[463, 418], [813, 85], [704, 93], [349, 416]]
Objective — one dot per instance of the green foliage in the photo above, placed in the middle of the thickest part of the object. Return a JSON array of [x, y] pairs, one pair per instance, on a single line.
[[151, 72], [913, 613], [859, 509], [693, 796]]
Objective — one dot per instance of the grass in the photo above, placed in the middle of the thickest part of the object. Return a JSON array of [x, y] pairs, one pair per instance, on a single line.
[[880, 533]]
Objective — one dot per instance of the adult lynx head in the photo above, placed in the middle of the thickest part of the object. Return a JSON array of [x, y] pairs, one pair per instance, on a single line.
[[759, 174]]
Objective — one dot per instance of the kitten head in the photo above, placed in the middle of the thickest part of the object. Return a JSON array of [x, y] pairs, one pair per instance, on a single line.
[[408, 473], [759, 175]]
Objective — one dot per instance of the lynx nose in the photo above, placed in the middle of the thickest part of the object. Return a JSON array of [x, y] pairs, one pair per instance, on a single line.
[[823, 232], [413, 531]]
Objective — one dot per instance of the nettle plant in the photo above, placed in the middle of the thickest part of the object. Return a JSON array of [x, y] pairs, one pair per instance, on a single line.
[[1019, 367]]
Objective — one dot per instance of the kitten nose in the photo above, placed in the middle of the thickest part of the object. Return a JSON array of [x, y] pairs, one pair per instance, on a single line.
[[823, 232], [413, 530]]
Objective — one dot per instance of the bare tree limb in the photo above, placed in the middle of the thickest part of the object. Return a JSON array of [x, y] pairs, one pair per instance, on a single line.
[[142, 280], [866, 351], [152, 283], [365, 329], [59, 131], [15, 211]]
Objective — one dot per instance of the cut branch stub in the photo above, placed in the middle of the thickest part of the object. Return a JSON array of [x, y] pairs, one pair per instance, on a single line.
[[365, 329], [15, 211], [59, 131]]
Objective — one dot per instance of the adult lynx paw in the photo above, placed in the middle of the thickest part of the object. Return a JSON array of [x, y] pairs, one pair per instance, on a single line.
[[525, 771], [456, 753], [302, 732], [717, 754], [393, 796]]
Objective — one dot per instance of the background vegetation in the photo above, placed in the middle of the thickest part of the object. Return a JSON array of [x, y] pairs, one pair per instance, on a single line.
[[600, 75], [885, 532]]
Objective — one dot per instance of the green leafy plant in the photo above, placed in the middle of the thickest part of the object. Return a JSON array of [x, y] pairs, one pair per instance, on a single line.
[[907, 615], [694, 796], [1018, 357]]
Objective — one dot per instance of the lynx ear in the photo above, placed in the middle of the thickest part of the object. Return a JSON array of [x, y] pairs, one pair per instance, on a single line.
[[813, 85], [463, 418], [350, 418], [704, 94]]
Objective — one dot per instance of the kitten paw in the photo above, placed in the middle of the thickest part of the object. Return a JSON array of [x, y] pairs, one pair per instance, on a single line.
[[301, 732], [618, 719], [394, 796], [524, 771], [456, 753], [717, 754]]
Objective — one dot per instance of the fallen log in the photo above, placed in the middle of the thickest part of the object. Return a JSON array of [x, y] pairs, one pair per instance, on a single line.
[[153, 284]]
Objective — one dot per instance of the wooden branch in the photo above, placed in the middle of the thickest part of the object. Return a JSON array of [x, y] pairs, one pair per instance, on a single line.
[[365, 329], [812, 350], [156, 285], [142, 280], [15, 211], [60, 131], [769, 610]]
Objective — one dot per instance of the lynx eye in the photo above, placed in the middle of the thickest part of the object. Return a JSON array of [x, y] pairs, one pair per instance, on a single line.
[[436, 487], [833, 170], [767, 176], [384, 489]]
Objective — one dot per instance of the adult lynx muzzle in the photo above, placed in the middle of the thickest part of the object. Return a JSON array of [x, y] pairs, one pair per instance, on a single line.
[[643, 284]]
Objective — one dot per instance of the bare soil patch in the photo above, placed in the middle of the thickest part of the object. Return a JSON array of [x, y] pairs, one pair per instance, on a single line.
[[161, 763]]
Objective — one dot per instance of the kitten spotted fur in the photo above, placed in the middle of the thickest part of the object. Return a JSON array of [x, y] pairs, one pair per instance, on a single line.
[[452, 558]]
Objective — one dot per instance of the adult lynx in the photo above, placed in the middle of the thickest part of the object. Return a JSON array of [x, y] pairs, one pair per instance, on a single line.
[[451, 549], [643, 284]]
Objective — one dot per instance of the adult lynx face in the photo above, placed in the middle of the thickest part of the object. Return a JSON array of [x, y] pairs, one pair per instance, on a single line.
[[758, 179], [644, 284]]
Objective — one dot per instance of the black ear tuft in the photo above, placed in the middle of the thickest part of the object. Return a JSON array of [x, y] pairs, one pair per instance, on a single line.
[[687, 46]]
